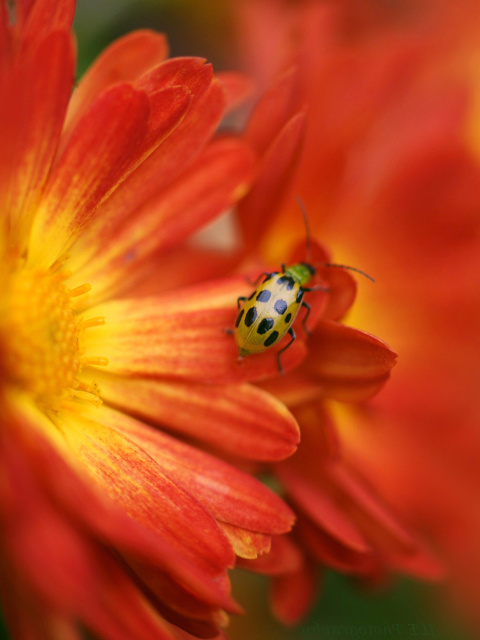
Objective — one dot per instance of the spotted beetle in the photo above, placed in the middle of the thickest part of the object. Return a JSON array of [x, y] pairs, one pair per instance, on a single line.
[[269, 312]]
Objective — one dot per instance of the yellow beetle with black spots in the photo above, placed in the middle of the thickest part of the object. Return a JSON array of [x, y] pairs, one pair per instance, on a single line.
[[268, 314]]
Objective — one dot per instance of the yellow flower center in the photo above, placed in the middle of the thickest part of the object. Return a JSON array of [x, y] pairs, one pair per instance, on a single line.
[[41, 337]]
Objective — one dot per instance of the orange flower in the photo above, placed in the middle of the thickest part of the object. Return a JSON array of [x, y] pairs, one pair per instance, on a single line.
[[390, 177], [106, 520]]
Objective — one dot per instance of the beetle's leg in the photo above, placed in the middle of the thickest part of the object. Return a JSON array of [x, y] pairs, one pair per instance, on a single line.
[[240, 299], [305, 317], [291, 332], [317, 287], [283, 267]]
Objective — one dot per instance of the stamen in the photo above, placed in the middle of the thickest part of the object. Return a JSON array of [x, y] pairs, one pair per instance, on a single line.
[[86, 395], [79, 291], [94, 322], [98, 361]]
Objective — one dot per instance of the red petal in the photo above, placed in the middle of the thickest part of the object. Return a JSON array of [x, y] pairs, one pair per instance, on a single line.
[[275, 109], [31, 116], [284, 557], [322, 509], [179, 339], [140, 488], [240, 419], [293, 594], [230, 495], [213, 184], [97, 513], [123, 61], [41, 17], [350, 364], [276, 171]]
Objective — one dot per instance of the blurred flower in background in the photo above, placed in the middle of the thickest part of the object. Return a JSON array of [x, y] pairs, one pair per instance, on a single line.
[[390, 176]]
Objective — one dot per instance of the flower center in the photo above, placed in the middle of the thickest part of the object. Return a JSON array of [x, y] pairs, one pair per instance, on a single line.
[[42, 336]]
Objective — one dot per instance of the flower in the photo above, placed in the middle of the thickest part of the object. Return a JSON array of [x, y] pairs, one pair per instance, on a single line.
[[108, 522], [389, 175]]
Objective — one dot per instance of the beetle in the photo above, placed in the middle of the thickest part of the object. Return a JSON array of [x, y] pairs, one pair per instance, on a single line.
[[269, 312]]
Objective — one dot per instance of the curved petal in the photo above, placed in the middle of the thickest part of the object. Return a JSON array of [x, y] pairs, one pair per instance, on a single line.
[[123, 61], [293, 594], [351, 365], [41, 17], [239, 419]]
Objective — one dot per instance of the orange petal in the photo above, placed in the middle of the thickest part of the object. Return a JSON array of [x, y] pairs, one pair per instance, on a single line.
[[276, 170], [322, 509], [331, 552], [123, 61], [350, 364], [106, 146], [38, 88], [100, 516], [159, 169], [246, 543], [161, 338], [240, 419], [276, 107], [139, 486], [284, 557], [227, 493], [213, 183]]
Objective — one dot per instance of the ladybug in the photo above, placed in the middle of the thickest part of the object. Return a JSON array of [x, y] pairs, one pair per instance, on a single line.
[[268, 314]]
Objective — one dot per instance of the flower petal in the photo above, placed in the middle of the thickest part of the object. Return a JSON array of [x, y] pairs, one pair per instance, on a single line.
[[322, 509], [159, 169], [237, 87], [246, 543], [41, 17], [141, 488], [35, 95], [284, 557], [213, 183], [240, 419], [276, 170], [165, 338], [115, 126], [294, 593], [123, 61], [350, 364]]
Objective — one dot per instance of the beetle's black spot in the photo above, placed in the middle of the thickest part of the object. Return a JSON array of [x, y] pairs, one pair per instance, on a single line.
[[288, 317], [271, 338], [287, 280], [299, 296], [239, 317], [265, 325], [280, 307], [251, 316], [264, 296], [250, 297]]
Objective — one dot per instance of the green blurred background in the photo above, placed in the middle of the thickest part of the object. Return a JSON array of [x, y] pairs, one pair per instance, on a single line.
[[403, 609]]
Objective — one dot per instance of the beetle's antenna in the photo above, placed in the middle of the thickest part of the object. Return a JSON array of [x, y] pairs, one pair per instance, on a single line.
[[344, 266], [308, 236]]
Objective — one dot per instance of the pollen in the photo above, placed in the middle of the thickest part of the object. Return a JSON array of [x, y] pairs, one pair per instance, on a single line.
[[41, 336]]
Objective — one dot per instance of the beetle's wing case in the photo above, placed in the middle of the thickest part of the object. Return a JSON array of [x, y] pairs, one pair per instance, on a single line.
[[267, 314]]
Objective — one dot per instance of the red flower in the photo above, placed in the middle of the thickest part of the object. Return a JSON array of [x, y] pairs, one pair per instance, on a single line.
[[389, 174], [106, 520]]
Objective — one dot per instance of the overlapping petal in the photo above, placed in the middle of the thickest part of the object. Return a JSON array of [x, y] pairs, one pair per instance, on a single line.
[[239, 419]]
